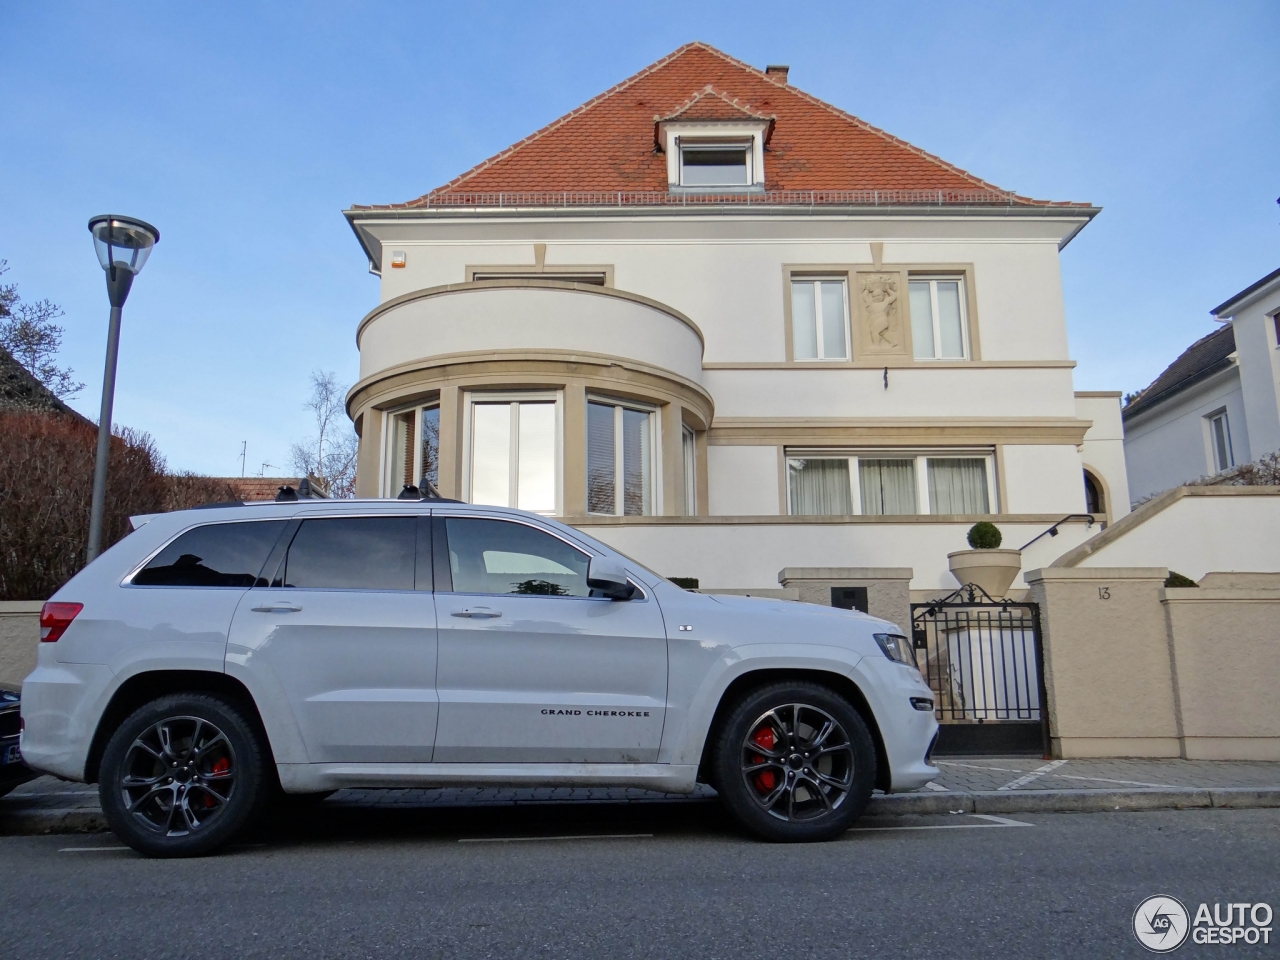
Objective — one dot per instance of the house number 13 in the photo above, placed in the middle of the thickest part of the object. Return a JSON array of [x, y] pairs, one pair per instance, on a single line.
[[1104, 593]]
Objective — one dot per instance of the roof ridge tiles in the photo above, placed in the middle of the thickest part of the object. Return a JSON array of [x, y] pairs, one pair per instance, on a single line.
[[710, 91]]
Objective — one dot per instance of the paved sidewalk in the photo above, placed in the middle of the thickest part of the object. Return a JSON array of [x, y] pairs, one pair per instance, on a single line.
[[970, 785]]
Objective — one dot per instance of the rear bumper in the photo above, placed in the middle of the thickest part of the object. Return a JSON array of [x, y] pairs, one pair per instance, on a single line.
[[60, 711]]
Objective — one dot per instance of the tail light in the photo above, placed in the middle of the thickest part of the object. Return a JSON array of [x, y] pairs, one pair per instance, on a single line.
[[55, 618]]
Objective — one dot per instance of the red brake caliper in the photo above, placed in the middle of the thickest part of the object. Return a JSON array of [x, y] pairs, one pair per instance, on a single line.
[[766, 780], [222, 766]]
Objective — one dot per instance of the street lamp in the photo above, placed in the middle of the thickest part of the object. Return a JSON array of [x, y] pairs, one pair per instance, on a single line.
[[123, 245]]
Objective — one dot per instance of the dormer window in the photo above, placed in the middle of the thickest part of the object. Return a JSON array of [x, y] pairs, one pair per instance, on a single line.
[[715, 164]]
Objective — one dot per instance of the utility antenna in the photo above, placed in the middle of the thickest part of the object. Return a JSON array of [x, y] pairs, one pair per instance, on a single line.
[[263, 471]]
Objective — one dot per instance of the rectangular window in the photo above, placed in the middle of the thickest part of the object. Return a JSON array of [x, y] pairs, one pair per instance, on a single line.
[[715, 165], [1220, 437], [889, 484], [1275, 323], [499, 557], [414, 449], [689, 448], [939, 328], [820, 487], [958, 485], [514, 454], [352, 553], [620, 447], [819, 320]]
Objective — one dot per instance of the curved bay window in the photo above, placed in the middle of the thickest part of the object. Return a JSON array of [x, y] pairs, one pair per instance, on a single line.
[[414, 449], [620, 445], [514, 451]]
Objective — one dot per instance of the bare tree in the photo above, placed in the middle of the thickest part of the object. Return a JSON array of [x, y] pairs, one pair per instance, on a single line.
[[330, 454], [28, 332]]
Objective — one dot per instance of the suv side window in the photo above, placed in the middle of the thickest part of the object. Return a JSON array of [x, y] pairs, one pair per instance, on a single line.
[[498, 556], [352, 553], [214, 555]]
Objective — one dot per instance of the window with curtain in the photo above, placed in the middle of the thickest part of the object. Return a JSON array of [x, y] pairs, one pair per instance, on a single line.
[[938, 323], [888, 486], [958, 485], [820, 487], [513, 454], [619, 459], [819, 320]]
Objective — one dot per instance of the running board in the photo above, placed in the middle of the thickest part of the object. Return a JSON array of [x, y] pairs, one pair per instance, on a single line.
[[316, 777]]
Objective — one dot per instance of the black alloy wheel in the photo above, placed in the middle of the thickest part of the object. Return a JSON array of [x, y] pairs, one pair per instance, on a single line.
[[182, 776], [794, 762]]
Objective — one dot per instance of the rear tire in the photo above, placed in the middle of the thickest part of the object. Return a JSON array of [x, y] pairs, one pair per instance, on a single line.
[[794, 763], [183, 775]]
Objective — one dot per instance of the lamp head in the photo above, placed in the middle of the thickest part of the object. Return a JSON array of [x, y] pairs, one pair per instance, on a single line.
[[123, 242]]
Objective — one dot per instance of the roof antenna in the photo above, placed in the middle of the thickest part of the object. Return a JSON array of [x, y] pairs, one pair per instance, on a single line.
[[410, 492], [286, 493]]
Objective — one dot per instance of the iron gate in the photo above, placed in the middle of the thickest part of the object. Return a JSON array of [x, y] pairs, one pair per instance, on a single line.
[[982, 659]]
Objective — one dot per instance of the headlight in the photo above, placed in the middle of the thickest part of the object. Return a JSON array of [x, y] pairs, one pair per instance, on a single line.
[[897, 648]]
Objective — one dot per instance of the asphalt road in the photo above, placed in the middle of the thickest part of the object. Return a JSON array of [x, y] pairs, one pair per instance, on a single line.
[[454, 883]]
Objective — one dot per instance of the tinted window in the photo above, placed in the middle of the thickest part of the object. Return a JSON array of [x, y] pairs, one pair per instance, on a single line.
[[495, 556], [352, 553], [215, 555]]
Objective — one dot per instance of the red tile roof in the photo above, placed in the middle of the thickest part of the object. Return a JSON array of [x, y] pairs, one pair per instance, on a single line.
[[606, 146], [712, 104]]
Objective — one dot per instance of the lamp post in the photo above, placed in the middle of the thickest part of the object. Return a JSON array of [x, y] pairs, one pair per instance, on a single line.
[[123, 245]]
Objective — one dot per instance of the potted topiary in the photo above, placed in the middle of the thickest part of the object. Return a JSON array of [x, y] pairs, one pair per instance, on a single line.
[[986, 564]]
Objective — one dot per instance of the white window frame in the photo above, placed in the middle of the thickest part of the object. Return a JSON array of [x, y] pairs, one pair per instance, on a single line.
[[1211, 420], [697, 145], [921, 458], [933, 280], [817, 313], [391, 486], [689, 453], [473, 397], [655, 449]]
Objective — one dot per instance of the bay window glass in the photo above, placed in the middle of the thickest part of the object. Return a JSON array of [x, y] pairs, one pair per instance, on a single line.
[[887, 486], [820, 487], [958, 485], [513, 454], [819, 320], [689, 450], [414, 448], [619, 459], [938, 325]]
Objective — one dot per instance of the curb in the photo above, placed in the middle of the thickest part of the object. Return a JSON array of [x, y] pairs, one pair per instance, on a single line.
[[1074, 801], [91, 819]]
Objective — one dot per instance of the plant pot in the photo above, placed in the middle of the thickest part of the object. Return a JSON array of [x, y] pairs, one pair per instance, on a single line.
[[992, 570]]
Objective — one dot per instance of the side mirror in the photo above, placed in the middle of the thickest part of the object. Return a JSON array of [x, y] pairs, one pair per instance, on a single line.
[[610, 578]]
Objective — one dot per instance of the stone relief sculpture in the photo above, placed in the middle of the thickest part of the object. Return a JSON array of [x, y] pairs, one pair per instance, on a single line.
[[879, 293]]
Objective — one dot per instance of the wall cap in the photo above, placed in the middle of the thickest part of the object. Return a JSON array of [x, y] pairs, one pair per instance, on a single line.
[[845, 573], [20, 607], [1212, 594], [1061, 575]]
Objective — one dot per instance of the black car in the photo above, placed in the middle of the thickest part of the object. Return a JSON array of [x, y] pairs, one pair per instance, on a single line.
[[13, 771]]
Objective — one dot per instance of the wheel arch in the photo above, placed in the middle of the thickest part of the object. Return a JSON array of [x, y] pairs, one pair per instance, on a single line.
[[844, 686], [142, 688]]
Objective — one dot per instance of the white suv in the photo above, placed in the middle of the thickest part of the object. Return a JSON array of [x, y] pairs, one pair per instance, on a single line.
[[216, 657]]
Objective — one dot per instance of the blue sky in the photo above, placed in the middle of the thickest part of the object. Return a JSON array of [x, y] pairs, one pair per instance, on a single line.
[[242, 130]]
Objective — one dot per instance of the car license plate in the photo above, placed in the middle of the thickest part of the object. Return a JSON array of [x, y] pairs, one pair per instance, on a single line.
[[11, 755]]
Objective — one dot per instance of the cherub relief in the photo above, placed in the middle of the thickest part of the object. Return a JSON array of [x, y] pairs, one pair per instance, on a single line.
[[879, 294]]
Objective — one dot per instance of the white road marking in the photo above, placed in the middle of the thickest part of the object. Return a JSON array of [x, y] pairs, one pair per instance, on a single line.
[[1033, 775], [976, 766], [89, 849], [585, 836], [932, 785], [999, 823], [1130, 783]]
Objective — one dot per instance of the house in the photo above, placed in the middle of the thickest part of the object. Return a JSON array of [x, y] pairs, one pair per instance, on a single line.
[[730, 329], [1217, 405]]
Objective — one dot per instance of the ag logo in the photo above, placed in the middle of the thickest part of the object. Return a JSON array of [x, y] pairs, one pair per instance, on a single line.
[[1161, 924]]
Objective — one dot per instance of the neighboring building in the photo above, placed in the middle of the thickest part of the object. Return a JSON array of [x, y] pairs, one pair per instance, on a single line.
[[20, 390], [730, 328], [1217, 405], [262, 488]]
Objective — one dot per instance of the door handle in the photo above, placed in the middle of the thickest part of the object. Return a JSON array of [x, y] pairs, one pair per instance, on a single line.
[[477, 613], [277, 608]]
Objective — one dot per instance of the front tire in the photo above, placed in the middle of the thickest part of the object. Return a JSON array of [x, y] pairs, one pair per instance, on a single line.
[[182, 776], [794, 763]]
